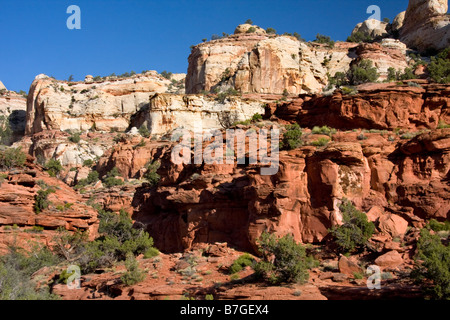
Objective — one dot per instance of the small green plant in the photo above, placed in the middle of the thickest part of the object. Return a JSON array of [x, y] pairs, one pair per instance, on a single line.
[[409, 135], [292, 138], [151, 174], [256, 117], [433, 264], [443, 125], [355, 231], [283, 260], [321, 142], [325, 130], [151, 253], [134, 274], [241, 262], [143, 131], [361, 136], [324, 39], [439, 67], [88, 163], [271, 31], [110, 179], [12, 158], [75, 138], [41, 201], [53, 167], [209, 297]]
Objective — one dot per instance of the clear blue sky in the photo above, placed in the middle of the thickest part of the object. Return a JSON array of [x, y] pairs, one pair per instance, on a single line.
[[124, 35]]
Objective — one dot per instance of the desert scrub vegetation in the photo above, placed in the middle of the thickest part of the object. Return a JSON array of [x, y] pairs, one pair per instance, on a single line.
[[92, 178], [321, 142], [225, 95], [283, 260], [433, 260], [12, 158], [133, 274], [325, 130], [5, 131], [355, 231], [443, 125], [151, 174], [363, 72], [75, 137], [41, 201], [439, 67], [292, 138], [243, 261], [143, 131], [325, 40], [53, 167], [16, 269], [110, 179], [117, 240]]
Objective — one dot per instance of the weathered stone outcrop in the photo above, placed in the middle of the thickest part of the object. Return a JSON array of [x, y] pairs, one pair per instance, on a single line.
[[372, 28], [167, 112], [235, 204], [375, 106], [269, 64], [426, 25], [13, 110], [18, 220], [104, 105]]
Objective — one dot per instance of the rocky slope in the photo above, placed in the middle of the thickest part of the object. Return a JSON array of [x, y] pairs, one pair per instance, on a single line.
[[19, 221]]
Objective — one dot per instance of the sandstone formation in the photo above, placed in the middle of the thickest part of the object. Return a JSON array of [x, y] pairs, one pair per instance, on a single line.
[[105, 105], [270, 64], [2, 86], [375, 106], [426, 25], [372, 28], [167, 112], [19, 221], [246, 28], [13, 110]]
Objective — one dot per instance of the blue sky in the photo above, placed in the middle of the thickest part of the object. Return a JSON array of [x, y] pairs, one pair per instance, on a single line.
[[134, 35]]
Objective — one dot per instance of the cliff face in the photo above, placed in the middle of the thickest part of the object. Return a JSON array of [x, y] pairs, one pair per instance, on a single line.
[[13, 111], [375, 106], [235, 204], [265, 64], [20, 223], [57, 105], [426, 25]]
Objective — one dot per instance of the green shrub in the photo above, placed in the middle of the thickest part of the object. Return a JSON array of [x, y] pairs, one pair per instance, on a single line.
[[41, 201], [251, 30], [143, 131], [151, 253], [241, 262], [110, 179], [271, 31], [321, 142], [12, 158], [256, 117], [436, 226], [75, 138], [325, 40], [134, 274], [5, 131], [292, 137], [433, 265], [151, 174], [355, 231], [283, 260], [409, 135], [325, 130], [16, 268], [362, 73], [88, 163], [359, 37], [223, 96], [439, 67], [53, 167], [443, 125]]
